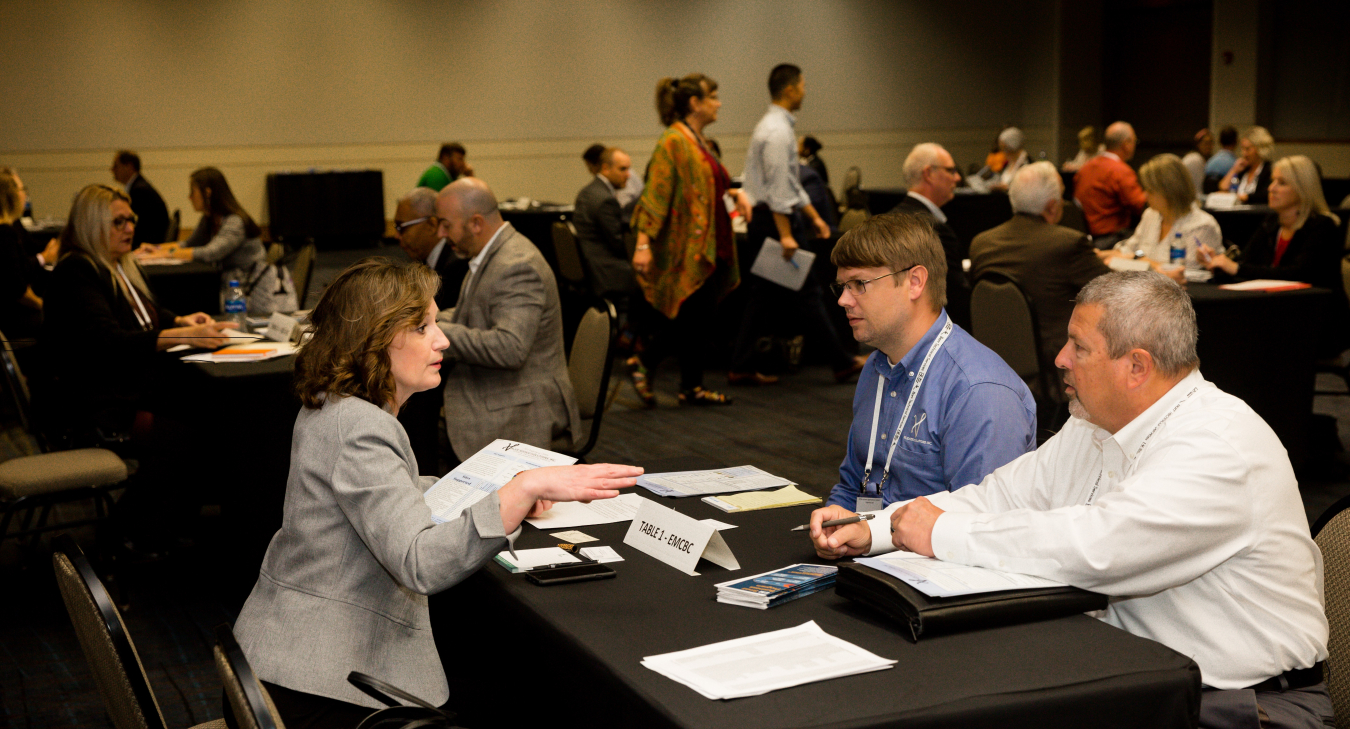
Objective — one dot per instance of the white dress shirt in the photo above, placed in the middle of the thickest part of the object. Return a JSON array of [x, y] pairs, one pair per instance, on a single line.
[[1189, 517], [435, 256], [1196, 227], [477, 260]]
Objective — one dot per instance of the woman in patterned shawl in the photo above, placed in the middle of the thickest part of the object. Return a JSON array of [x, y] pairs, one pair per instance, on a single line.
[[686, 256]]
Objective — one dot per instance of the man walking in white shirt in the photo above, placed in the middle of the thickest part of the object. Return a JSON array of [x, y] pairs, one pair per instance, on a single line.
[[1163, 492]]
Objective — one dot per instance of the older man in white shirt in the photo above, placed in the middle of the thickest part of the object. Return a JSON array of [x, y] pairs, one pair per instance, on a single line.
[[1163, 492]]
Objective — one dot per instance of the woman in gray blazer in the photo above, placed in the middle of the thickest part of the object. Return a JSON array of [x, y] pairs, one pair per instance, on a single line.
[[344, 583]]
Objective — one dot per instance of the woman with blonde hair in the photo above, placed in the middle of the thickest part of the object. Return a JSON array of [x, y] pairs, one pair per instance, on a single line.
[[685, 258], [101, 377], [1171, 211], [1249, 176], [1299, 241], [347, 575]]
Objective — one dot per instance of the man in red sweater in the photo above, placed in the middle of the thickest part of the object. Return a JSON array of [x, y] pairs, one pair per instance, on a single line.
[[1108, 190]]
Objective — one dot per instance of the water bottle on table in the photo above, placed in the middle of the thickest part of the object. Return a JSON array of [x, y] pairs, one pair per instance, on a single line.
[[1178, 253], [236, 308]]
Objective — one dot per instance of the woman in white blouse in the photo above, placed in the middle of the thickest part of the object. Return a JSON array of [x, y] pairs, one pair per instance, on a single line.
[[1171, 211]]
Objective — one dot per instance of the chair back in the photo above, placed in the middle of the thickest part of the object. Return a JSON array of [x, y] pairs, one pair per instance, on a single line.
[[1002, 319], [249, 702], [854, 197], [103, 637], [175, 226], [1332, 534], [851, 218], [565, 248], [18, 387], [275, 252], [1074, 218], [304, 269], [590, 365]]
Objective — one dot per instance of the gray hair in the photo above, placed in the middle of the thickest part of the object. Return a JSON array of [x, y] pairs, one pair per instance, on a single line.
[[1118, 134], [1011, 138], [422, 200], [1034, 187], [1145, 310], [920, 158]]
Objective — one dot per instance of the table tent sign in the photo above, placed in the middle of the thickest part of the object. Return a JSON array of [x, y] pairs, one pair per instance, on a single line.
[[676, 539]]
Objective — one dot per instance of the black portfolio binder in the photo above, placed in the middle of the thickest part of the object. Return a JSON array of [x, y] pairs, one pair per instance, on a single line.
[[922, 615]]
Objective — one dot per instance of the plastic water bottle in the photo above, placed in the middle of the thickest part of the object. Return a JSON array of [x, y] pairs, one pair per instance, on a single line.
[[236, 308], [1178, 252]]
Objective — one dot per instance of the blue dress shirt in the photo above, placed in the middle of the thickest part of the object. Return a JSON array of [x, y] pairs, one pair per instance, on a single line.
[[1220, 163], [972, 415]]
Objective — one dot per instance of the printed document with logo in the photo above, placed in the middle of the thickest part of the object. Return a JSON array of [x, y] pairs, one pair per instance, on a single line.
[[484, 473], [758, 664], [717, 481], [789, 273], [572, 514], [936, 578]]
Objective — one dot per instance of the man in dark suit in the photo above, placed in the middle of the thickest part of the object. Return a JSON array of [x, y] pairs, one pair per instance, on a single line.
[[152, 225], [415, 227], [1050, 262], [931, 176], [600, 227]]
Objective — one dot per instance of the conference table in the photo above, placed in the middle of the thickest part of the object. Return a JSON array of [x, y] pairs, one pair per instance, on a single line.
[[518, 654], [185, 288]]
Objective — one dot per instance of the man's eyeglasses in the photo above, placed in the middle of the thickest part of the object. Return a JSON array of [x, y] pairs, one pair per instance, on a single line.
[[858, 288], [121, 221], [400, 227], [950, 170]]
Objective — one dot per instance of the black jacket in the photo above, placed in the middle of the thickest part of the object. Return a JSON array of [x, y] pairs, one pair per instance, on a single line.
[[153, 225], [958, 286], [600, 231]]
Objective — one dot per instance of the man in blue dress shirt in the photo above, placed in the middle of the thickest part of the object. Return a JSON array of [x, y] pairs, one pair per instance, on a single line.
[[935, 409]]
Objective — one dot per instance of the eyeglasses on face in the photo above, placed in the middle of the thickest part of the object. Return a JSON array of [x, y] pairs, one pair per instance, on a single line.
[[950, 170], [400, 227], [858, 288], [121, 221]]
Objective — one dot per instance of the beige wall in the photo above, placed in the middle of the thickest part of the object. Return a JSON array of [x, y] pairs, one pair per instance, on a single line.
[[357, 84]]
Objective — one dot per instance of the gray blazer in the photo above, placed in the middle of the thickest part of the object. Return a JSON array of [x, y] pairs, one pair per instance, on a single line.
[[510, 376], [344, 583], [600, 230]]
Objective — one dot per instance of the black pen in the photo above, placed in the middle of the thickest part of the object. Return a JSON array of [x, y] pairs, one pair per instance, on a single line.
[[836, 522]]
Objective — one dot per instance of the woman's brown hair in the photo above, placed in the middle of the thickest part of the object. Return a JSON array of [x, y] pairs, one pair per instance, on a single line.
[[354, 323], [220, 201], [673, 95]]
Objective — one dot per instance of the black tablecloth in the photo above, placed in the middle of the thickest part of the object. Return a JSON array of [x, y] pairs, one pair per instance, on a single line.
[[1260, 347], [186, 288], [969, 214], [569, 654]]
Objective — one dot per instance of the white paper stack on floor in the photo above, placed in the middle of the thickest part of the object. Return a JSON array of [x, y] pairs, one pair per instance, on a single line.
[[766, 662]]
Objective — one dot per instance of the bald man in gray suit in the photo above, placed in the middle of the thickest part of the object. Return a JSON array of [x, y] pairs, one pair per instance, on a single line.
[[510, 378]]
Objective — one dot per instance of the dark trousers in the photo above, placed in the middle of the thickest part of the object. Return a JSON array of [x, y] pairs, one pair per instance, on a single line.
[[686, 336], [765, 299], [1305, 708], [299, 710]]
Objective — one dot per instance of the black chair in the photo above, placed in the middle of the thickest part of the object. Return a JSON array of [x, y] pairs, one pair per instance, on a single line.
[[570, 265], [1331, 531], [175, 226], [32, 485], [301, 272], [249, 701], [107, 646], [589, 367], [1003, 319]]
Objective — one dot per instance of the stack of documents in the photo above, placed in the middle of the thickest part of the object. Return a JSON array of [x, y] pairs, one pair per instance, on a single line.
[[1266, 284], [702, 483], [255, 352], [766, 590], [936, 578], [571, 514], [790, 496], [486, 471], [527, 559], [767, 662]]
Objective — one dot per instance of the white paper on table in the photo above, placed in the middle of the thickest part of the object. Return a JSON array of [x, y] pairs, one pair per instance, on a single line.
[[569, 514], [574, 537], [771, 266], [486, 471], [235, 336], [166, 261], [257, 352], [601, 554], [528, 559], [716, 481], [1261, 284], [766, 662], [936, 578]]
